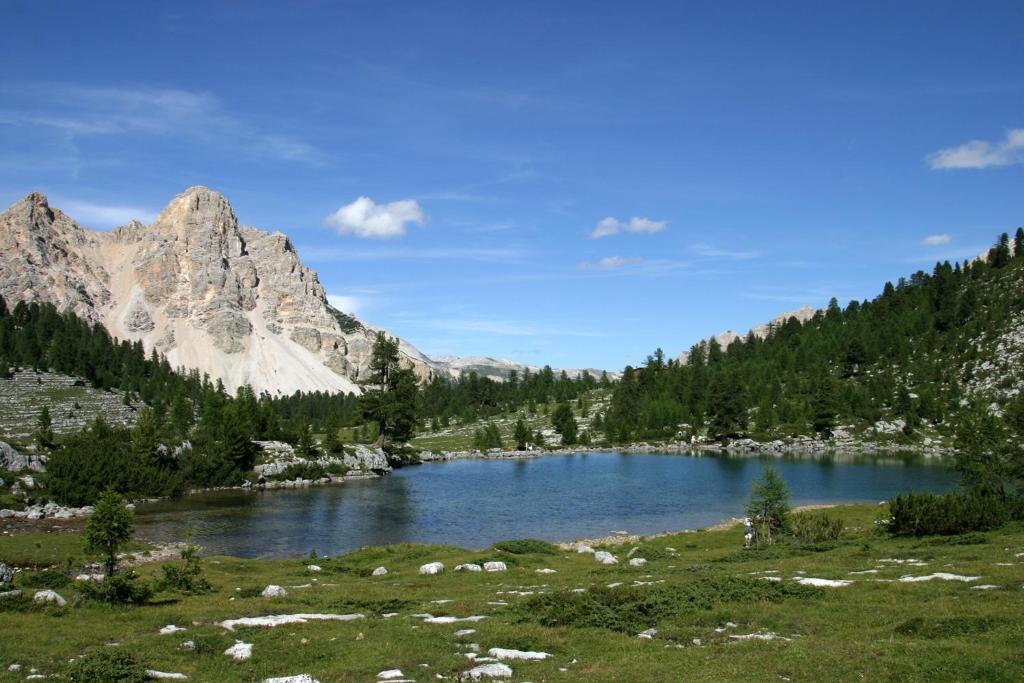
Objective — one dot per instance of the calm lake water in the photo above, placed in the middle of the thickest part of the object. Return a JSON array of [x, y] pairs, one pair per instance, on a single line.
[[473, 503]]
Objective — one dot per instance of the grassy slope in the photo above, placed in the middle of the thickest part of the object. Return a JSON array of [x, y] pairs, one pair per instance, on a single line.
[[873, 630]]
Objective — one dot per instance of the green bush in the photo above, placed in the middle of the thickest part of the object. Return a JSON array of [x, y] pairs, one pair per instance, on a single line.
[[300, 470], [809, 528], [337, 469], [106, 666], [526, 546], [125, 588], [188, 577], [629, 610], [925, 514], [44, 579]]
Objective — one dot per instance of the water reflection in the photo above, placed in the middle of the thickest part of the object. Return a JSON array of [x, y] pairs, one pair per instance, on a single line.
[[473, 503]]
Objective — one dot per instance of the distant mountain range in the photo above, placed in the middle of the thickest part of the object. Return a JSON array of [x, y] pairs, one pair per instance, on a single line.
[[210, 294]]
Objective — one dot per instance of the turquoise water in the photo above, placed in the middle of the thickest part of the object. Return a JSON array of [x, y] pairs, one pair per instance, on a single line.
[[472, 503]]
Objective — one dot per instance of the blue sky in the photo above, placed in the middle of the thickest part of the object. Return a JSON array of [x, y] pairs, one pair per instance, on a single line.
[[573, 183]]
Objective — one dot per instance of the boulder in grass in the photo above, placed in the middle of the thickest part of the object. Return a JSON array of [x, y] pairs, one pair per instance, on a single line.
[[50, 597], [494, 670], [432, 568], [495, 567], [605, 557], [469, 567], [273, 591], [637, 562], [380, 571]]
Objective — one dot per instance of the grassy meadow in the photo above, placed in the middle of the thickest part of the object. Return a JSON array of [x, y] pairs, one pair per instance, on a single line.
[[717, 615]]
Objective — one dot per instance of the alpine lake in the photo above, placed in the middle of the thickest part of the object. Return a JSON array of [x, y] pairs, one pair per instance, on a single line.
[[475, 502]]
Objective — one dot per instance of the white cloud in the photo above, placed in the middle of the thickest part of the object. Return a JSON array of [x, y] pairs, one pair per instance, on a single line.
[[981, 153], [101, 216], [364, 218], [346, 303], [612, 226], [611, 262], [936, 240], [709, 251]]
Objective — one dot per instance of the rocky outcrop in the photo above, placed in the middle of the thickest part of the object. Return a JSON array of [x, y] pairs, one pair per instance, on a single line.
[[13, 461], [359, 459], [231, 301]]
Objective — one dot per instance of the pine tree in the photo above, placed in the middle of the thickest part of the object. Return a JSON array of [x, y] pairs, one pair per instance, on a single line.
[[108, 528], [521, 435], [564, 423], [1018, 244], [332, 442], [999, 255], [44, 430], [391, 392], [768, 505]]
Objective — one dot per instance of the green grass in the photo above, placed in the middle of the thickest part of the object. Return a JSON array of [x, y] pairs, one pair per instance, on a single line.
[[870, 630]]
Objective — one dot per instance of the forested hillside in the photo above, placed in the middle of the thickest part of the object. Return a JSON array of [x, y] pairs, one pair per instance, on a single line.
[[925, 352]]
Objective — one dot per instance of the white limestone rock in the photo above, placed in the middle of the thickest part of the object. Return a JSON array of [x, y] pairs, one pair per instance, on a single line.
[[274, 591], [495, 567], [432, 568], [604, 557], [50, 597]]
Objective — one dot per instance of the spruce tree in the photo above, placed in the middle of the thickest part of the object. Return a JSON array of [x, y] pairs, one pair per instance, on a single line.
[[768, 505], [108, 528], [521, 435]]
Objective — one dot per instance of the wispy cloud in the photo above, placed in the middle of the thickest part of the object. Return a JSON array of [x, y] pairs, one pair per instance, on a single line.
[[198, 117], [611, 262], [708, 251], [612, 226], [496, 254], [981, 153], [101, 215], [365, 218], [936, 240]]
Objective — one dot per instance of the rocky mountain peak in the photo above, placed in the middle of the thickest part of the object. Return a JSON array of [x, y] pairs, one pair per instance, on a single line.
[[230, 301]]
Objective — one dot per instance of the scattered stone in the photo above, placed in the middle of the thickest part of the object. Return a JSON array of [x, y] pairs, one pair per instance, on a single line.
[[429, 619], [545, 570], [314, 567], [170, 628], [432, 568], [723, 629], [637, 562], [823, 583], [9, 594], [470, 567], [648, 634], [495, 567], [502, 653], [605, 557], [163, 675], [188, 645], [390, 675], [277, 620], [945, 576], [866, 571], [51, 597], [462, 633], [6, 573], [273, 591], [301, 678], [239, 651], [768, 635], [380, 571], [984, 587], [492, 670]]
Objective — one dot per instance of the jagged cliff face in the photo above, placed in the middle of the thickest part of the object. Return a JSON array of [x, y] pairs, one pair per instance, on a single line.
[[227, 300]]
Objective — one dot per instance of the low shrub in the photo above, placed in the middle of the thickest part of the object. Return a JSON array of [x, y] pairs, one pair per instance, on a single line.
[[44, 579], [107, 665], [926, 514], [810, 528], [952, 627], [125, 588], [526, 546], [337, 469], [632, 610], [300, 470], [188, 576]]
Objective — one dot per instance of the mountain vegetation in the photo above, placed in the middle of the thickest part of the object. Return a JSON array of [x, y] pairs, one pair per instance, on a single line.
[[923, 353]]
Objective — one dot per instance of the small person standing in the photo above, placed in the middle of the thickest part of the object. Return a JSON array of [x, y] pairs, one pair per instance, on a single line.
[[748, 532]]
